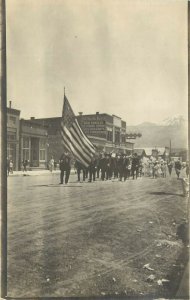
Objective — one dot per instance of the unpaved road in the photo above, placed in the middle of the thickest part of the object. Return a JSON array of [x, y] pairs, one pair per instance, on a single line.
[[93, 239]]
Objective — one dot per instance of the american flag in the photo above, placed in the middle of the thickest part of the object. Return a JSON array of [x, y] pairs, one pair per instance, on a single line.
[[73, 138]]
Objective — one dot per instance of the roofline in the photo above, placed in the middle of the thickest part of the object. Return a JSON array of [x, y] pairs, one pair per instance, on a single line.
[[13, 110], [42, 118]]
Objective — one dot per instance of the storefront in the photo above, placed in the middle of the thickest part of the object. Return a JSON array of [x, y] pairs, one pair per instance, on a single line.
[[106, 132], [33, 144]]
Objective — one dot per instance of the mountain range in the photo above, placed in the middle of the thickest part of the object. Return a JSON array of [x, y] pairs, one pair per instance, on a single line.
[[159, 135]]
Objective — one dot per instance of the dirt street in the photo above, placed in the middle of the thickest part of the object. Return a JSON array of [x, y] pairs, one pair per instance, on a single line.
[[94, 239]]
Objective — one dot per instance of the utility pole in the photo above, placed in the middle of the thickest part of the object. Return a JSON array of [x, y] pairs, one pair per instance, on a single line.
[[170, 149], [3, 158]]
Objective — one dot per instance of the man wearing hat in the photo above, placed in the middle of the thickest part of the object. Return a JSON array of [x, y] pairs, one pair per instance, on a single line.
[[126, 163], [120, 166], [80, 167], [102, 166], [135, 166], [108, 166], [92, 169], [65, 167]]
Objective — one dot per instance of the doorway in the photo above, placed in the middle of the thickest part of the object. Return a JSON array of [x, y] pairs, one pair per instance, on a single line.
[[34, 152]]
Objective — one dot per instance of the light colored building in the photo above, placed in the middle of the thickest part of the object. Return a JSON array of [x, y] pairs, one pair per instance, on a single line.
[[26, 140], [33, 144], [156, 152]]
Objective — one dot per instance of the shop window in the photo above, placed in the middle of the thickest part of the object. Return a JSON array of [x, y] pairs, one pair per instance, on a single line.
[[26, 142], [117, 137], [42, 150], [42, 144], [26, 155], [26, 148], [12, 119], [123, 138], [109, 136], [11, 150], [42, 154], [11, 137]]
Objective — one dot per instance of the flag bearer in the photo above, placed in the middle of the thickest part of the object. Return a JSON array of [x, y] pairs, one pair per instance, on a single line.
[[65, 167], [135, 166]]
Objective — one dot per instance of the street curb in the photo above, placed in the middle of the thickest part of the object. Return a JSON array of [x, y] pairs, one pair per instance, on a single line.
[[36, 173]]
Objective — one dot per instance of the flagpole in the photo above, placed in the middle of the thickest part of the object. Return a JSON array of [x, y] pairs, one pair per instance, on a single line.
[[64, 91]]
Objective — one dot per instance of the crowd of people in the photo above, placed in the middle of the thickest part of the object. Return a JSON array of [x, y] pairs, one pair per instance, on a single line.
[[109, 166]]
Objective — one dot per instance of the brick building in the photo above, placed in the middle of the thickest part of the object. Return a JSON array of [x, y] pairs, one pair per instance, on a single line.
[[106, 132], [13, 135], [37, 140]]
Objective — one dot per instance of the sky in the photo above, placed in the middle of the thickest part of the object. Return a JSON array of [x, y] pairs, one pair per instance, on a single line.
[[121, 57]]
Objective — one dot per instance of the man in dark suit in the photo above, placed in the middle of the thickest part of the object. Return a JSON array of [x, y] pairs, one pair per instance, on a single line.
[[79, 167], [135, 166], [92, 169], [126, 163], [120, 166], [108, 166], [102, 165], [65, 167]]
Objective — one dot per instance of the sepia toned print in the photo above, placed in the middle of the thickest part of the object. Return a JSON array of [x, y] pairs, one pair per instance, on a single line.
[[97, 151]]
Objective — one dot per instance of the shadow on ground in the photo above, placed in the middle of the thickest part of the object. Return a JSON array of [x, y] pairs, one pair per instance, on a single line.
[[55, 185], [164, 193]]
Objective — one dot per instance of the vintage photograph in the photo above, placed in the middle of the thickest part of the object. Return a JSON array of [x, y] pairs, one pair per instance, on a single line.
[[97, 149]]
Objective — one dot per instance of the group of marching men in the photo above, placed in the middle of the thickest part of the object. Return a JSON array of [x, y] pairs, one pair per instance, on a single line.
[[107, 166]]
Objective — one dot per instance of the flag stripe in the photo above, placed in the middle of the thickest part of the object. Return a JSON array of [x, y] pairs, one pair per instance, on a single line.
[[75, 145], [74, 138], [80, 142], [71, 148], [86, 139], [87, 147], [77, 136], [64, 144], [79, 131]]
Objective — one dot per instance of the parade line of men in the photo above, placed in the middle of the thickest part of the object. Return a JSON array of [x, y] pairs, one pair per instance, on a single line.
[[120, 166]]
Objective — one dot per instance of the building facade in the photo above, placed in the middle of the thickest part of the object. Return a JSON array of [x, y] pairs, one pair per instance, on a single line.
[[33, 144], [37, 140], [54, 139], [106, 132], [158, 152], [26, 140], [13, 135]]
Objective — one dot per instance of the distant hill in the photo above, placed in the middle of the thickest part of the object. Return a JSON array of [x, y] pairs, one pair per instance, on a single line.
[[159, 135]]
